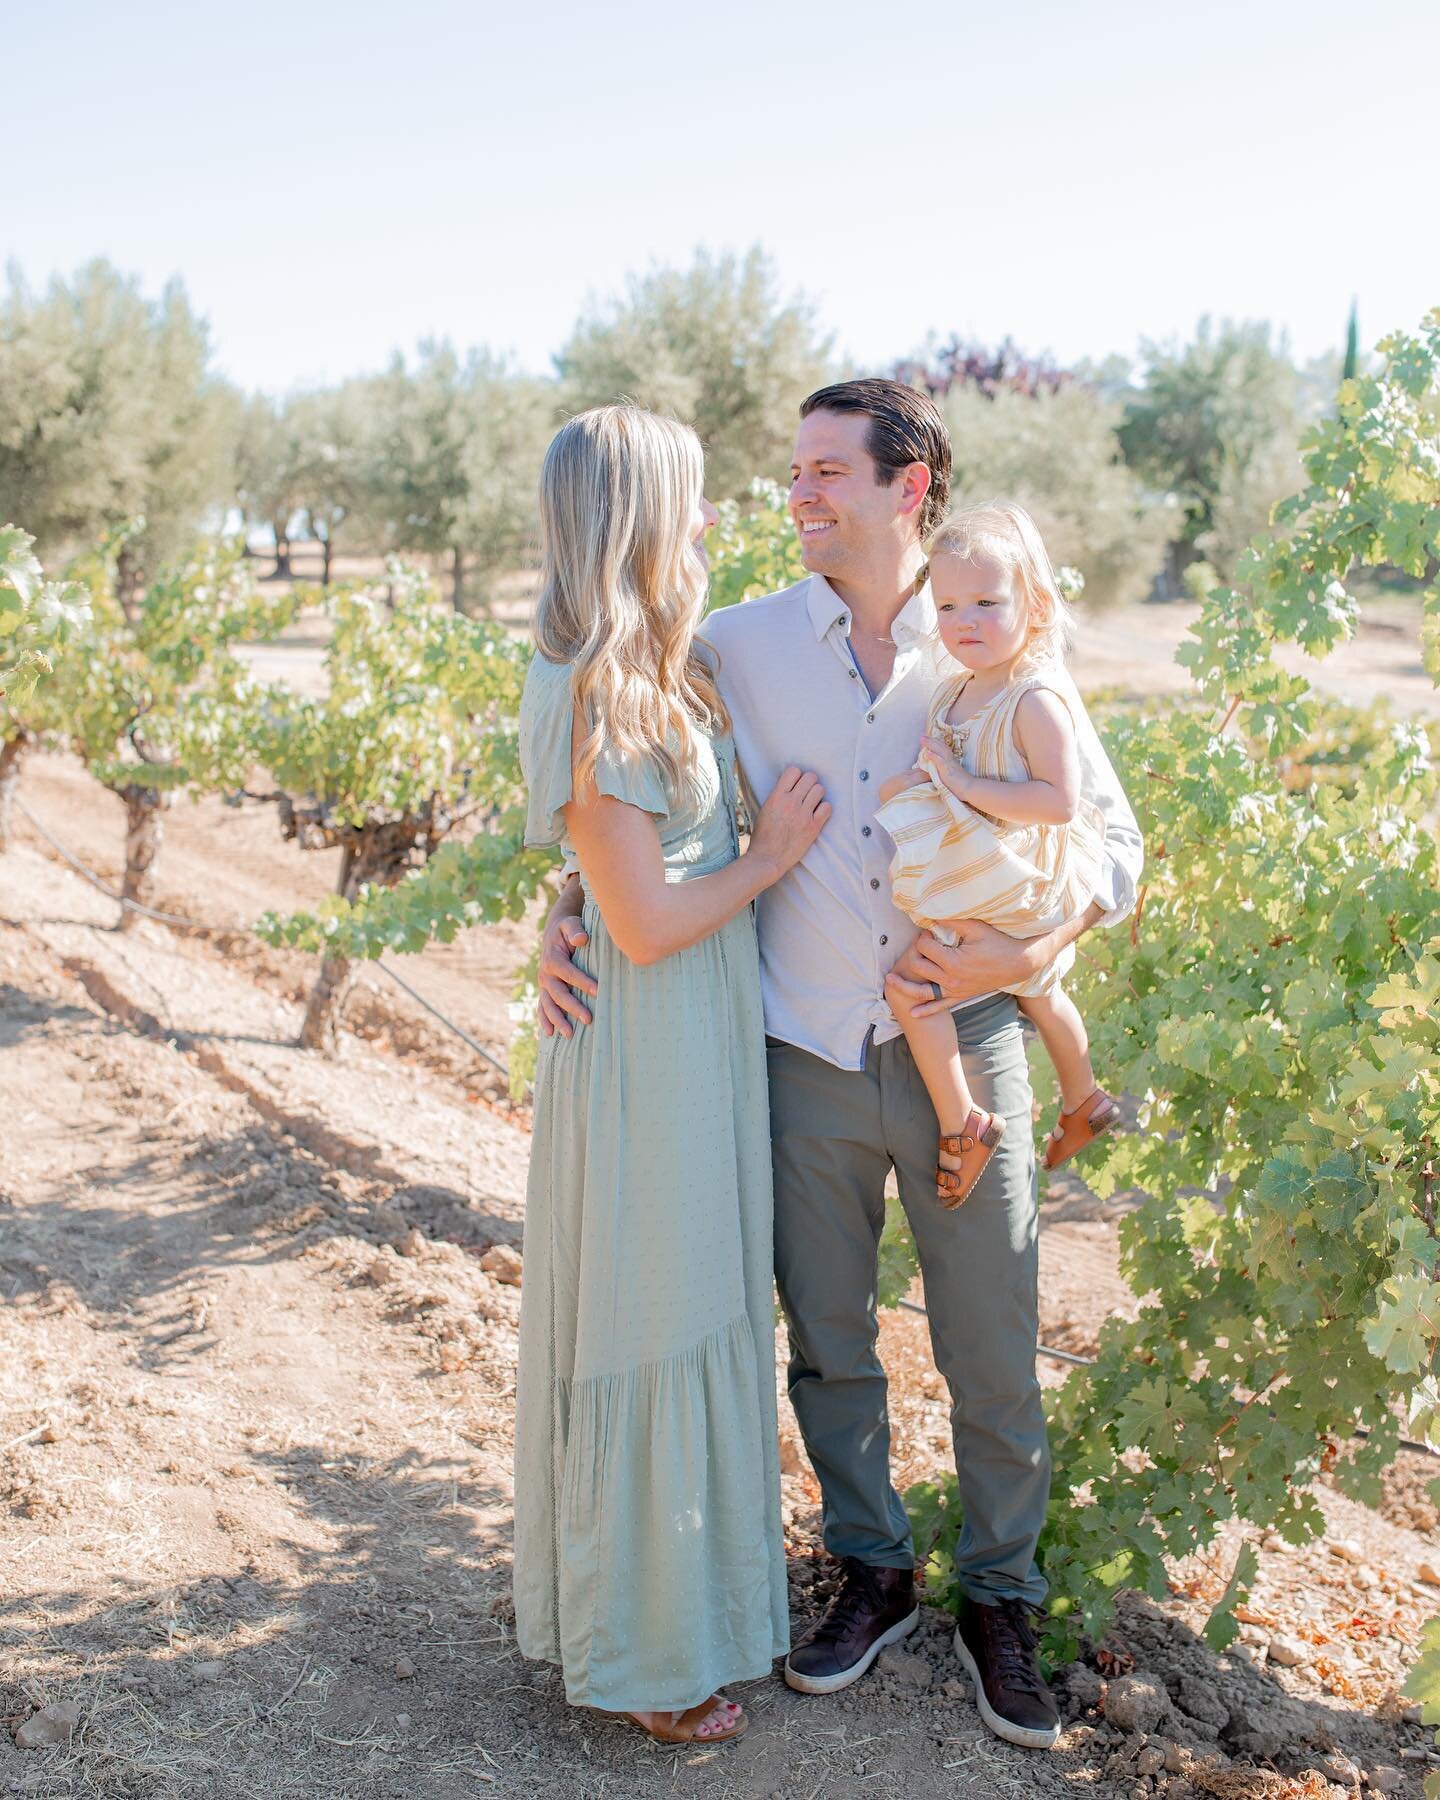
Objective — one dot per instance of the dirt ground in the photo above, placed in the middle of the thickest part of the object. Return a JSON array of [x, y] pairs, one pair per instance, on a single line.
[[256, 1402]]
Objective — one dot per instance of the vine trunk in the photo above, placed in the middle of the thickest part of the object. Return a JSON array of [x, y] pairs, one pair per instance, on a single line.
[[13, 752], [145, 809]]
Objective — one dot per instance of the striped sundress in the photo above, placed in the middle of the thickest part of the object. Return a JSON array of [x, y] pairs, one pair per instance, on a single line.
[[954, 862]]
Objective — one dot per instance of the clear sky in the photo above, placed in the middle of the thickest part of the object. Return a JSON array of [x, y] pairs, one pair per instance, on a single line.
[[332, 180]]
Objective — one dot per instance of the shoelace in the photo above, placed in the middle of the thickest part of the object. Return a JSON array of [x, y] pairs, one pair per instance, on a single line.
[[1010, 1644], [857, 1593]]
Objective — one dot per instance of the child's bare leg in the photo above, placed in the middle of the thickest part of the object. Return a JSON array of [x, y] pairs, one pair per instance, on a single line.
[[1062, 1031], [937, 1057], [972, 1134]]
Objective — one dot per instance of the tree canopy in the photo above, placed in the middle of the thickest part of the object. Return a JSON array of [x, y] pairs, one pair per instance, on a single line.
[[715, 345]]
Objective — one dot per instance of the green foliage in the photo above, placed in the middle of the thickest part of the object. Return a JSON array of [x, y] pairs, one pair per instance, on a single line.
[[1424, 1686], [452, 455], [1277, 1010], [1222, 1627], [753, 549], [1056, 451], [159, 698], [1215, 424], [714, 345], [417, 734], [897, 1262], [109, 413], [36, 618], [525, 1017]]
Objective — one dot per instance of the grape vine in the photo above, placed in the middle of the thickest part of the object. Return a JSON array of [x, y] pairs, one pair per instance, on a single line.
[[155, 705], [1276, 1007], [417, 735], [36, 617]]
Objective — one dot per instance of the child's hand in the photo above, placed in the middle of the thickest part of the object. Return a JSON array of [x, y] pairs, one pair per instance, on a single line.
[[948, 769]]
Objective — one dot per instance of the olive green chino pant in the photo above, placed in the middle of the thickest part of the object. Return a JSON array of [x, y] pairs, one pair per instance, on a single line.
[[836, 1133]]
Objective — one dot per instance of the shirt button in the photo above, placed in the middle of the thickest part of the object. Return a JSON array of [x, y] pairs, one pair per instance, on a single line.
[[854, 676], [864, 774], [864, 831], [873, 882], [883, 938], [869, 718]]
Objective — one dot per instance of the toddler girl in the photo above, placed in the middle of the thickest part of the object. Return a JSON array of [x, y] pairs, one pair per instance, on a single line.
[[991, 823]]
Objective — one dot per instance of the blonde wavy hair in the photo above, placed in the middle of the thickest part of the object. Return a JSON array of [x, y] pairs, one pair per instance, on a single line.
[[1002, 529], [623, 587]]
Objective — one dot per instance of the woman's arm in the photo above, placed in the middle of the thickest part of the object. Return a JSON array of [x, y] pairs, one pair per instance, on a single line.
[[650, 918], [1046, 736]]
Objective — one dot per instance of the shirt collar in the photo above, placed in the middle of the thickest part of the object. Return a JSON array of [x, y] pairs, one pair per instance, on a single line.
[[916, 619], [825, 606]]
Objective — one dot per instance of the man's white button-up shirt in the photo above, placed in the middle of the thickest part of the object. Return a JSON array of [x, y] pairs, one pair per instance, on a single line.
[[828, 930]]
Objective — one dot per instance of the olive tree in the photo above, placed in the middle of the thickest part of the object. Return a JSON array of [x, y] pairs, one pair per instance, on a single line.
[[716, 345]]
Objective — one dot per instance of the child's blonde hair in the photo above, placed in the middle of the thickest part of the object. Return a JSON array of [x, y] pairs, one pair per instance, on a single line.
[[1003, 529]]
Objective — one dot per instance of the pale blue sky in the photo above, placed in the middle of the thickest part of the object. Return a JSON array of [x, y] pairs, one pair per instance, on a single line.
[[335, 180]]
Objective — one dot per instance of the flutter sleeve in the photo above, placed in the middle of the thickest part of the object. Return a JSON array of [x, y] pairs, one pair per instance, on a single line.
[[547, 710]]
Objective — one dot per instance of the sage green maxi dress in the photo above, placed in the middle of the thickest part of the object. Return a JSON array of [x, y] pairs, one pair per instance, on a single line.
[[648, 1554]]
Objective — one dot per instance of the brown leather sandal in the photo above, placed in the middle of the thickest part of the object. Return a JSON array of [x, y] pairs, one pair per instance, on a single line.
[[1091, 1119], [975, 1145], [683, 1729]]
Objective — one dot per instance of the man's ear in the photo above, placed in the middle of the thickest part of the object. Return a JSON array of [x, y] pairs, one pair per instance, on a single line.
[[914, 486]]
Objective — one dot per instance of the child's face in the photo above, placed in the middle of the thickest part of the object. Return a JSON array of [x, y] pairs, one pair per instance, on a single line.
[[980, 608]]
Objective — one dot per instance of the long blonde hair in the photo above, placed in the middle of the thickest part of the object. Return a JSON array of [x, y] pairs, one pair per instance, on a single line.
[[1003, 529], [623, 587]]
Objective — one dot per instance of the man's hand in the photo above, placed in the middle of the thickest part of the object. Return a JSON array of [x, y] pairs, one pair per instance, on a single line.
[[984, 961], [561, 983]]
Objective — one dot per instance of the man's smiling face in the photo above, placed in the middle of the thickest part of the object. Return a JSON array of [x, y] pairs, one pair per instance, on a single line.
[[839, 509]]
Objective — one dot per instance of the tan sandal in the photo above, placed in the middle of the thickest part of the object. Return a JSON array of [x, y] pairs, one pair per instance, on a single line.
[[1074, 1130], [683, 1730], [975, 1145]]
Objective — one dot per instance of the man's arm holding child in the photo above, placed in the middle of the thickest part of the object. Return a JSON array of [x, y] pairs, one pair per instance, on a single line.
[[986, 960], [561, 983]]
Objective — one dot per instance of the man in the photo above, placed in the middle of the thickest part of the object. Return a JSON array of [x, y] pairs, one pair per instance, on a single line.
[[835, 675]]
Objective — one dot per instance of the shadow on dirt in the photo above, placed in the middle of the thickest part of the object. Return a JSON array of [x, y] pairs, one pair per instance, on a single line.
[[256, 1199], [22, 1015]]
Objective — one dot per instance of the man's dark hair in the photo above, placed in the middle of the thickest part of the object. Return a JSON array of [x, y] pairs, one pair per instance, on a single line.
[[905, 427]]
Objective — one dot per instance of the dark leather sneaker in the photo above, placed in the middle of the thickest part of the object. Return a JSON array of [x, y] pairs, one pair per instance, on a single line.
[[873, 1608], [997, 1646]]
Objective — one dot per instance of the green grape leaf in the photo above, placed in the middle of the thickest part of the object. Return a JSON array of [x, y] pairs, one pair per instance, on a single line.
[[1404, 1333], [1221, 1627]]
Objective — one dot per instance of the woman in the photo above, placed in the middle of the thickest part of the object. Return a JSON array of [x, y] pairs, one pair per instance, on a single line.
[[648, 1553]]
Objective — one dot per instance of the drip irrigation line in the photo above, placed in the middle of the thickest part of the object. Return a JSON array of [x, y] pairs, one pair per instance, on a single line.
[[450, 1024], [150, 912], [169, 918]]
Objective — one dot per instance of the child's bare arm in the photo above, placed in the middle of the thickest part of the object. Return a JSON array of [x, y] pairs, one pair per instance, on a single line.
[[897, 784], [1047, 738]]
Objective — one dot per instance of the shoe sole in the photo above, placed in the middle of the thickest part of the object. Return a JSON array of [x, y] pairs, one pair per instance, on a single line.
[[1022, 1735], [831, 1684]]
